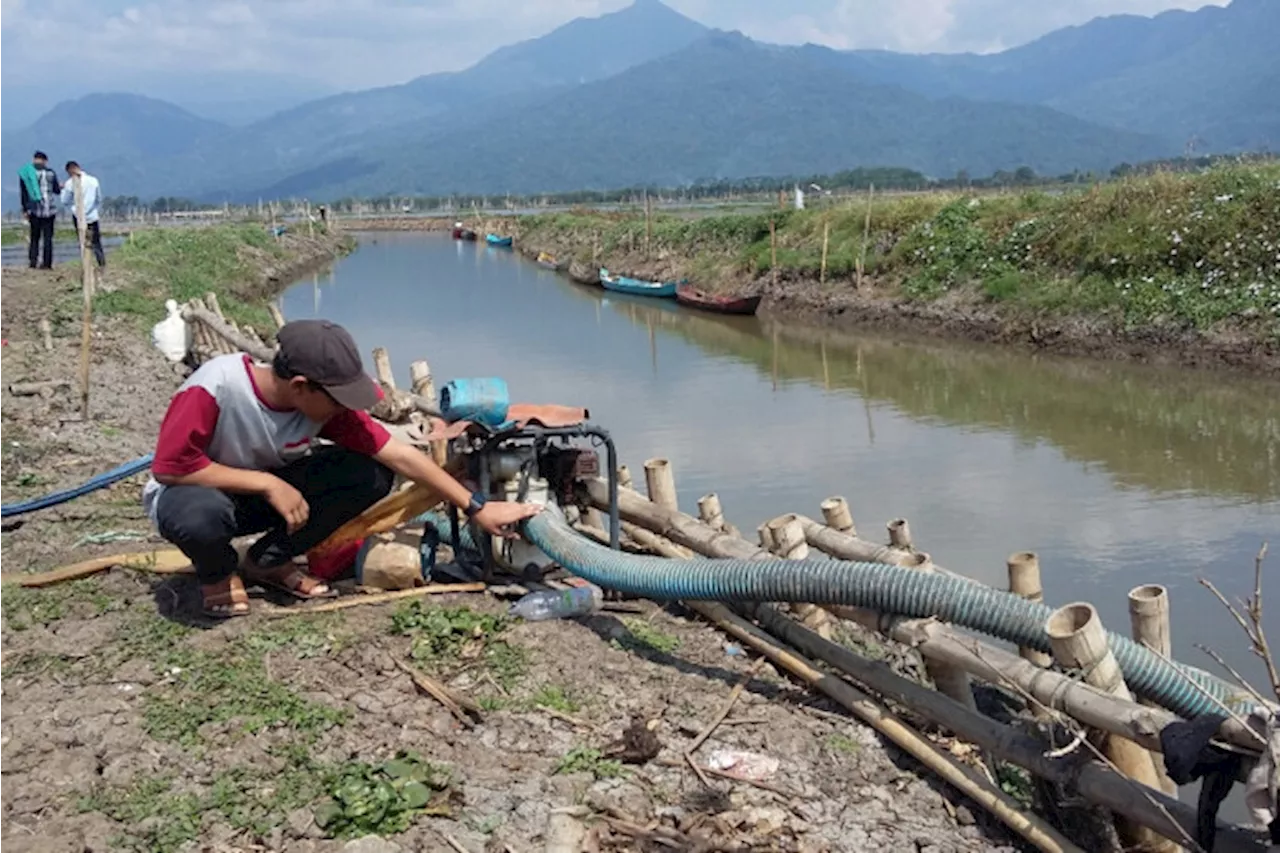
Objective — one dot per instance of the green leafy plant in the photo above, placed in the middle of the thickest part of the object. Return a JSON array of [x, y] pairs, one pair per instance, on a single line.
[[384, 799], [583, 759]]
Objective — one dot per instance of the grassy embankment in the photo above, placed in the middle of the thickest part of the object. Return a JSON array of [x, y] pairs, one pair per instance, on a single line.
[[240, 262], [1198, 252]]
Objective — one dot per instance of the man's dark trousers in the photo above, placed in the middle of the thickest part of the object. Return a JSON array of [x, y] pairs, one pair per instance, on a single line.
[[95, 239], [41, 230], [337, 484]]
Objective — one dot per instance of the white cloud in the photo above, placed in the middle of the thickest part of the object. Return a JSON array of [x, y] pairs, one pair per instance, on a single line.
[[360, 43]]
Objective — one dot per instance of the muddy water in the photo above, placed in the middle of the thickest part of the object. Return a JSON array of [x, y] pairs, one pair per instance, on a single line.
[[1116, 475]]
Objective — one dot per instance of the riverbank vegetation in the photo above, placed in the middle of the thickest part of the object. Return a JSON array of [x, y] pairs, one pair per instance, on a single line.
[[1185, 251]]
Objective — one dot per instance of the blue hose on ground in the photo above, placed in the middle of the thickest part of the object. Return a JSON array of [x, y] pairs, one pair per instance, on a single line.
[[886, 589], [101, 481]]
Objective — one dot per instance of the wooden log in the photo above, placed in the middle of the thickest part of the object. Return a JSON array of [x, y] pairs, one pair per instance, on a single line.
[[1079, 642], [900, 534], [1093, 779], [44, 388], [1149, 623], [660, 482], [226, 333], [836, 514], [46, 331], [1053, 689], [876, 715], [1024, 582]]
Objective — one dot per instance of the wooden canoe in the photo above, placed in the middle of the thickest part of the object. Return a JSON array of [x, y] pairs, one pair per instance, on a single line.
[[635, 286], [495, 240], [687, 294]]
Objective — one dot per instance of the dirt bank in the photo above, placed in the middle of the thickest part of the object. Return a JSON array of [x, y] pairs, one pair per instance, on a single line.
[[131, 725]]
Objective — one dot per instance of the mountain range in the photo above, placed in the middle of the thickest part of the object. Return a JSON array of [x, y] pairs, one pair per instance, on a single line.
[[647, 96]]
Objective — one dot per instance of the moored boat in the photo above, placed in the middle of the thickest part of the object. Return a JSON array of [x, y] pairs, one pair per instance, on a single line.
[[637, 287], [548, 261], [687, 294], [460, 233], [501, 242]]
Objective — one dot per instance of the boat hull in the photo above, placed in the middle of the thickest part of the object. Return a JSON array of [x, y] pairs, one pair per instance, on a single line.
[[694, 298], [636, 287], [500, 242], [463, 234]]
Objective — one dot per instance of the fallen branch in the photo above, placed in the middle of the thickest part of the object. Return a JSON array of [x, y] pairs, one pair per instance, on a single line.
[[381, 598], [169, 561], [453, 703], [214, 324]]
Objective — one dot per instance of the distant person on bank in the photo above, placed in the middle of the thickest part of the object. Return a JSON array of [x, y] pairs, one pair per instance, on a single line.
[[92, 192], [38, 185]]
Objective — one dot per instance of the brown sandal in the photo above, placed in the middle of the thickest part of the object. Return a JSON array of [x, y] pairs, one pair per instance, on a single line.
[[225, 599], [289, 578]]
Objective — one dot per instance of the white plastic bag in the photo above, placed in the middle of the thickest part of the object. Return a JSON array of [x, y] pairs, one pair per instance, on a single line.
[[171, 335]]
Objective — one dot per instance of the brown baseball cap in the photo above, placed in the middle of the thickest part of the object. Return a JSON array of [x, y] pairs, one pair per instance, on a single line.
[[325, 353]]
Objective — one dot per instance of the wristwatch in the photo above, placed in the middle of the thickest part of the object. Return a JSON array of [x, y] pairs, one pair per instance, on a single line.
[[475, 504]]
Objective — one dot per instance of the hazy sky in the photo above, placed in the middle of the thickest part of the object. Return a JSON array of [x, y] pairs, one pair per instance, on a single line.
[[341, 44]]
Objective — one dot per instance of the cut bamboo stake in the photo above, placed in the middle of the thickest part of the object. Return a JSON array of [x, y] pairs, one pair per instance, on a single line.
[[86, 280], [866, 236], [1079, 642], [424, 386], [900, 534], [277, 316], [710, 511], [236, 341], [787, 535], [46, 330], [836, 514], [826, 236], [950, 680], [660, 482], [1024, 582], [882, 720], [382, 368], [624, 477], [45, 388], [1055, 690], [381, 598], [773, 251], [1093, 779], [1149, 622]]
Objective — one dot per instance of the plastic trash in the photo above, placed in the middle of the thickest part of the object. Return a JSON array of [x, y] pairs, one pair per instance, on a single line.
[[171, 335], [558, 603], [743, 764]]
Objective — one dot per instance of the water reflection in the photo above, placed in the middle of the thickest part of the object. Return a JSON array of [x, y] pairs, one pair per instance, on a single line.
[[1116, 475]]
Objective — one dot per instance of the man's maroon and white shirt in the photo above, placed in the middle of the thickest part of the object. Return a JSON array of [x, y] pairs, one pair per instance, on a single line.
[[219, 415]]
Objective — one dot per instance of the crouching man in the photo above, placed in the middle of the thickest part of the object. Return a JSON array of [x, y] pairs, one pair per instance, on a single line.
[[235, 457]]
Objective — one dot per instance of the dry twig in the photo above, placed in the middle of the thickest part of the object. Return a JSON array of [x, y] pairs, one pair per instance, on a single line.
[[1252, 625]]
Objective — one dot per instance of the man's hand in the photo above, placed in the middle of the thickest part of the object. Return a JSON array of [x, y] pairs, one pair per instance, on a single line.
[[289, 502], [499, 518]]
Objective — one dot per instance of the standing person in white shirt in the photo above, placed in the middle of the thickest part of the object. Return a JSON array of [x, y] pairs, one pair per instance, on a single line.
[[92, 200]]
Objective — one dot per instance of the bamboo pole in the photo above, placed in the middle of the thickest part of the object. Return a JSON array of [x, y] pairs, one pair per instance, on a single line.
[[1149, 623], [660, 482], [349, 601], [876, 715], [624, 477], [773, 251], [826, 237], [648, 226], [866, 236], [86, 280], [1079, 642], [710, 512], [1024, 582], [224, 331], [836, 514], [1053, 689], [46, 332], [1094, 780]]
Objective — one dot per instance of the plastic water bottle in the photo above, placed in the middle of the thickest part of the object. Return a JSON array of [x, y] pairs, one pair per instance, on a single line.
[[558, 603]]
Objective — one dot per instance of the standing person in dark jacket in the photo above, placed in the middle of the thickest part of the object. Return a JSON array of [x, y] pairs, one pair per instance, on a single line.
[[40, 190]]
